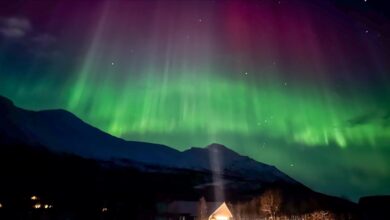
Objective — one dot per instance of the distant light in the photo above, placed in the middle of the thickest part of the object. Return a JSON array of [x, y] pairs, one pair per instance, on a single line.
[[34, 198], [104, 209], [112, 63], [46, 206], [37, 206], [1, 205]]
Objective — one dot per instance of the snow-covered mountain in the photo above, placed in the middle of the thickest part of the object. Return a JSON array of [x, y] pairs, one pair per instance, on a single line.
[[218, 158], [61, 131]]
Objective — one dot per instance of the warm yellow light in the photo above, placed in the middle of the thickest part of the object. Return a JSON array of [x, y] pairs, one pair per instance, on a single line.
[[220, 217], [46, 206], [34, 198], [37, 206]]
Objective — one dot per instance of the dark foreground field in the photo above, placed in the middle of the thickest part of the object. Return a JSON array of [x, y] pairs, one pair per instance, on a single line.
[[76, 188]]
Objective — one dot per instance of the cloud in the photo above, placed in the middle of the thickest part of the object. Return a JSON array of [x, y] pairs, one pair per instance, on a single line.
[[15, 27], [19, 33]]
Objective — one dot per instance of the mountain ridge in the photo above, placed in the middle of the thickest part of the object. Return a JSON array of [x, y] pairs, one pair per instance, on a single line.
[[62, 131], [112, 165]]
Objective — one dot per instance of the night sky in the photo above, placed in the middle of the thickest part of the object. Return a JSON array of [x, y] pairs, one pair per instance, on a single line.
[[302, 85]]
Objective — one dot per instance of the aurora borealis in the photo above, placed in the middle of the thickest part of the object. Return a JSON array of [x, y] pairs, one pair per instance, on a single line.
[[302, 85]]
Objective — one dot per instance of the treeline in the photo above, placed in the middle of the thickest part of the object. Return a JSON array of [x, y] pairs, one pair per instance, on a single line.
[[275, 203]]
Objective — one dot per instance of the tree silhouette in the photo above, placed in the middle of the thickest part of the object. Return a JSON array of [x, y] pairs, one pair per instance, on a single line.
[[270, 202]]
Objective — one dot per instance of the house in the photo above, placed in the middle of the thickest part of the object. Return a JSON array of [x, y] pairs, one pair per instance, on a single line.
[[221, 213], [190, 210]]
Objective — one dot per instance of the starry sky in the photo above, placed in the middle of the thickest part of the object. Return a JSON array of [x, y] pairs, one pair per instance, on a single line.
[[302, 85]]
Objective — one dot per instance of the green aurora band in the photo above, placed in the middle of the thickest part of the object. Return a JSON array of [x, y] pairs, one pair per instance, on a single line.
[[183, 82]]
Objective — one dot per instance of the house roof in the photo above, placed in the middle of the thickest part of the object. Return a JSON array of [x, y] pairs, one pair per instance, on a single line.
[[222, 210]]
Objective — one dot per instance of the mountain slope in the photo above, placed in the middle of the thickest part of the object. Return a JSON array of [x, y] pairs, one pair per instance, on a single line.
[[96, 163], [219, 158], [61, 131]]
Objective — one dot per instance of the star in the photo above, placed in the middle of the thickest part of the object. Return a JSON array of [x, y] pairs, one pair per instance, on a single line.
[[200, 20], [366, 31], [112, 63], [246, 73], [285, 83]]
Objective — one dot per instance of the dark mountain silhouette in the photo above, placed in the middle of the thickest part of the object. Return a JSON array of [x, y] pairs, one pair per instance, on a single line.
[[61, 131], [374, 207], [55, 154]]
